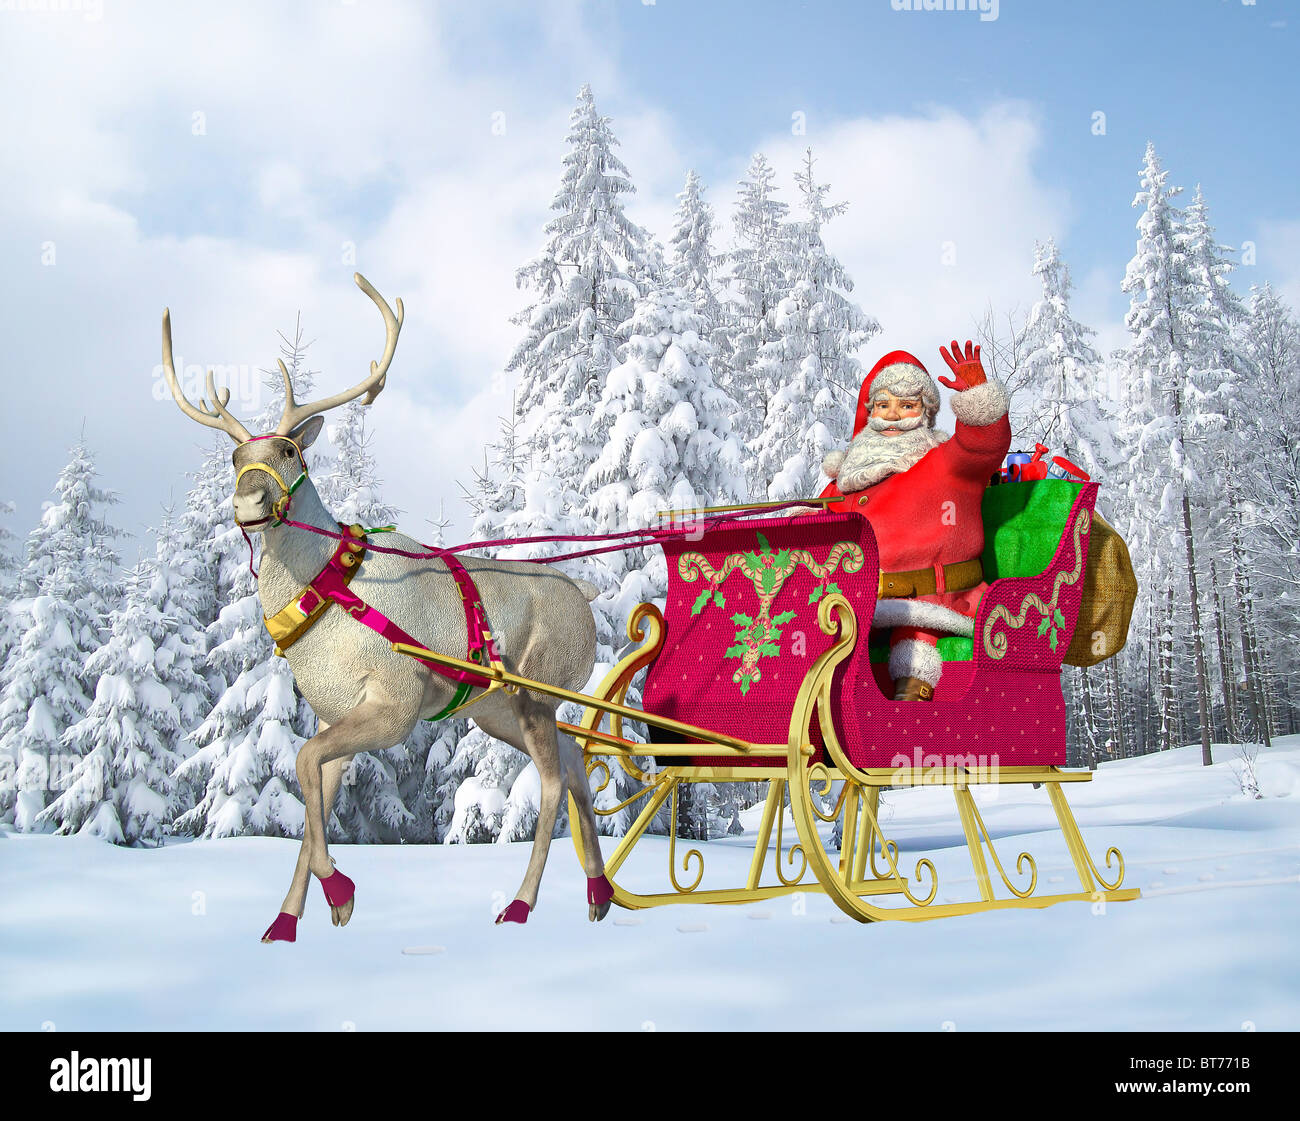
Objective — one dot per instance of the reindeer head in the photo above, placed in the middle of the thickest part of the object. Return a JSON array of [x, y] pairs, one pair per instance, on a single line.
[[271, 466]]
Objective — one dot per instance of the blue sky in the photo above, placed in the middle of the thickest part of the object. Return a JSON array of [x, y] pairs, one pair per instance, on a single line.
[[222, 159]]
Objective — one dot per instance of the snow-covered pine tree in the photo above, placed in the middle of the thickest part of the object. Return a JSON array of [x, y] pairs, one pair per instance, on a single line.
[[808, 371], [1059, 404], [594, 265], [148, 692], [1265, 502], [666, 430], [583, 280], [1162, 291], [70, 582], [668, 445], [12, 615], [694, 262], [760, 267], [8, 561]]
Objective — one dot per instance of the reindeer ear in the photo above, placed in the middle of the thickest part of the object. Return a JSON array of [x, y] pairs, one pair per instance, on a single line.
[[305, 434]]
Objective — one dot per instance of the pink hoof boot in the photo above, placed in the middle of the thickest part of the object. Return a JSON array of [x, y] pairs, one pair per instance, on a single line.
[[599, 890], [338, 889], [516, 912], [284, 929]]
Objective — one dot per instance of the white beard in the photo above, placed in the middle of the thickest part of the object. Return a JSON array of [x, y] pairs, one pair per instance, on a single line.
[[873, 456]]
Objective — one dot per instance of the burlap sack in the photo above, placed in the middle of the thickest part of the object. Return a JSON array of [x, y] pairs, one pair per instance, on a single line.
[[1109, 592]]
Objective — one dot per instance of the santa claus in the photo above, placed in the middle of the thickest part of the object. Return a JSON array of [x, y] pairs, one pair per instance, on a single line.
[[921, 490]]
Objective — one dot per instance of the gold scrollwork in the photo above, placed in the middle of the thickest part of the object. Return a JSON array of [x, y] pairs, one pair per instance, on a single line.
[[819, 772], [650, 783], [995, 645], [672, 852], [1020, 860], [889, 850], [803, 856], [1119, 856]]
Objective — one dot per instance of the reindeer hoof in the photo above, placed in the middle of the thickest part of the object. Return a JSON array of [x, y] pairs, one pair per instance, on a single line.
[[340, 894], [339, 915], [284, 929], [599, 893], [338, 889], [516, 912]]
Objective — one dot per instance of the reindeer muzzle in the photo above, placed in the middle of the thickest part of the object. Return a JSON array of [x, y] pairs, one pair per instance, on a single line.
[[281, 505]]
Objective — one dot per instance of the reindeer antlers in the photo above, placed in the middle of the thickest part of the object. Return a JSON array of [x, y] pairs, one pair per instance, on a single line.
[[295, 414], [217, 416]]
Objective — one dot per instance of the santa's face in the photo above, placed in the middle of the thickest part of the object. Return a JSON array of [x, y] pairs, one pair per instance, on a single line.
[[896, 436], [890, 410]]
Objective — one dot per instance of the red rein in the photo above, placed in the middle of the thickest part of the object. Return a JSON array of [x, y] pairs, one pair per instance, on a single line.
[[644, 537]]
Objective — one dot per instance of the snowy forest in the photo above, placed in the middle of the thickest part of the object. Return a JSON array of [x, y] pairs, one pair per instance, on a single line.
[[713, 364]]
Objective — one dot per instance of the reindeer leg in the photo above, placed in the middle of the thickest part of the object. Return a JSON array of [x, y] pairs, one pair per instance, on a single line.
[[592, 860], [332, 776], [537, 721], [284, 929], [376, 723]]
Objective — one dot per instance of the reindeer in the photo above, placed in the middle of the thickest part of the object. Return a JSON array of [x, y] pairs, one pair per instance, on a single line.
[[367, 696]]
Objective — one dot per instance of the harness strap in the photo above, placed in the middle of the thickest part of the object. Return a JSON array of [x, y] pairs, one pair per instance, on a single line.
[[331, 586], [297, 618]]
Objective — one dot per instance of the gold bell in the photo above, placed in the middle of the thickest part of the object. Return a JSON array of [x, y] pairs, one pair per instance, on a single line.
[[356, 531], [347, 560]]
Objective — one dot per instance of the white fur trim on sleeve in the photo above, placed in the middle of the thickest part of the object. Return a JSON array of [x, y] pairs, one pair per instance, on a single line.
[[831, 464], [914, 658], [922, 613], [982, 404]]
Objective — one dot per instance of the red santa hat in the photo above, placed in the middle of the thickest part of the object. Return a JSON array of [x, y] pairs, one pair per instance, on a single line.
[[903, 374]]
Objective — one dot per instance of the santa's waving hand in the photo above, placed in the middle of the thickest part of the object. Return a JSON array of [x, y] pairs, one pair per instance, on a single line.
[[922, 490], [966, 369]]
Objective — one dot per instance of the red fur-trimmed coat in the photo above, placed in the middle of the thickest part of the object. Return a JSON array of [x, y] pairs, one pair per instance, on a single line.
[[930, 514]]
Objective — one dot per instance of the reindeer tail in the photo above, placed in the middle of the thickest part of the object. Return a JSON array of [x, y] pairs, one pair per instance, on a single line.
[[588, 589]]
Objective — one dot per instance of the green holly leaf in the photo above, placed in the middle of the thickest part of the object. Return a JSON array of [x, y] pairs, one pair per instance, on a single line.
[[832, 588], [736, 651], [744, 686], [1052, 641], [782, 558], [764, 546], [1042, 628], [816, 594], [770, 648], [701, 601], [718, 601], [1058, 618], [745, 621], [784, 617]]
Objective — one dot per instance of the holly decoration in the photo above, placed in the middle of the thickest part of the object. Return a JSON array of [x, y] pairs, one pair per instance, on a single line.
[[759, 635]]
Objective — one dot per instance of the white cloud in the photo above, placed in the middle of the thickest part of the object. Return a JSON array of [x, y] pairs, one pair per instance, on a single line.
[[1277, 260], [924, 191]]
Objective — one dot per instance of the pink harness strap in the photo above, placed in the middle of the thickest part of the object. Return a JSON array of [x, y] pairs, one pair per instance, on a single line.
[[330, 585]]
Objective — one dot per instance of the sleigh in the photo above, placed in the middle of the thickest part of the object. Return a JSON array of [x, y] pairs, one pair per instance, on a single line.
[[762, 668]]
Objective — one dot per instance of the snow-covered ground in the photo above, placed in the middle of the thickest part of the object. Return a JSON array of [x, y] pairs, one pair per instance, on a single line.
[[94, 937]]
